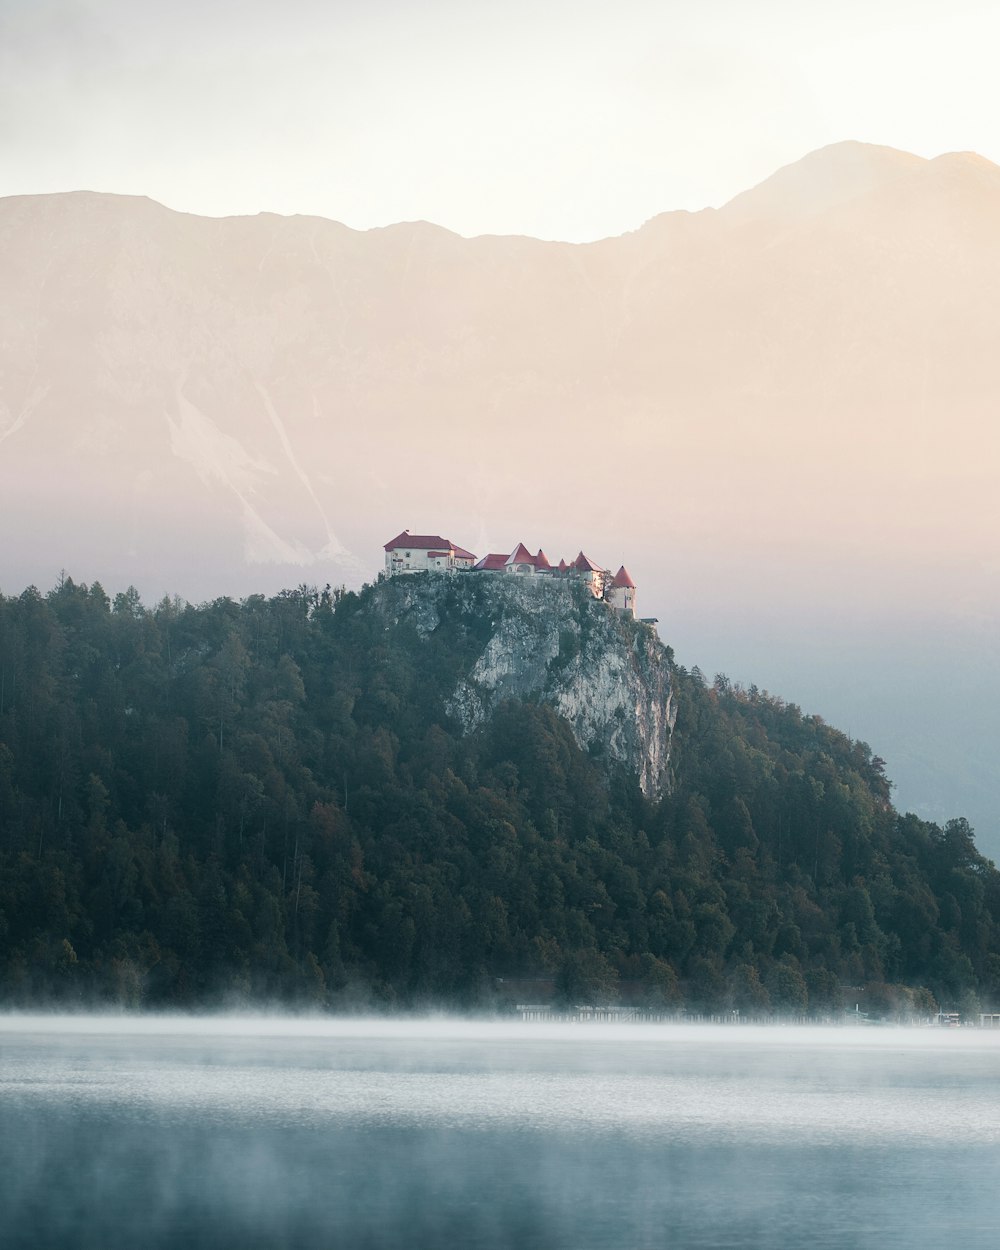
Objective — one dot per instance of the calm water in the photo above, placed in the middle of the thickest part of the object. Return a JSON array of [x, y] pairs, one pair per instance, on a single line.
[[164, 1132]]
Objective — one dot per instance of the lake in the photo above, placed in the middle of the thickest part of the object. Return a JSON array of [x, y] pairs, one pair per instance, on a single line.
[[236, 1131]]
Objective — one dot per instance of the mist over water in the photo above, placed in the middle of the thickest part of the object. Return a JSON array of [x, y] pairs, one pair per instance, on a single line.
[[264, 1131]]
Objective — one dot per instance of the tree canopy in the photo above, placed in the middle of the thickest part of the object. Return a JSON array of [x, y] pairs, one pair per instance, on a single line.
[[267, 800]]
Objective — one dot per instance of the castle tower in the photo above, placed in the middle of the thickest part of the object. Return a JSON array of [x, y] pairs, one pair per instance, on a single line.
[[621, 593], [591, 574]]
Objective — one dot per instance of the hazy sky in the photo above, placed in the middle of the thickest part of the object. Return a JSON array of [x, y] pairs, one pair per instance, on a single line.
[[559, 118]]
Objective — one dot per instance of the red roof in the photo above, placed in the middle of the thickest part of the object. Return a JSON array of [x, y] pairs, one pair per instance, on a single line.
[[432, 543], [421, 542], [563, 566], [494, 562], [542, 560], [622, 578], [586, 565], [521, 555]]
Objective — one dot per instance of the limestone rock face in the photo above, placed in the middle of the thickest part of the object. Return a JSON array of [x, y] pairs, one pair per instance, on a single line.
[[526, 638]]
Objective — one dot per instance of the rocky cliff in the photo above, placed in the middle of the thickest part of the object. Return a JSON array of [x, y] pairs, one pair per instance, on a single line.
[[518, 638]]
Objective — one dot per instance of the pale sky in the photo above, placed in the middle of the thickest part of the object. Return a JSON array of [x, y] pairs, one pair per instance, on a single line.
[[563, 119]]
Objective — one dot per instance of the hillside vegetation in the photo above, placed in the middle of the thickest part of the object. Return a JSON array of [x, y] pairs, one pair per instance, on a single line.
[[267, 800]]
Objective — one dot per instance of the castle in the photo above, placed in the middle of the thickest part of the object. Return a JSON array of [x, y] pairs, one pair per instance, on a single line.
[[420, 553]]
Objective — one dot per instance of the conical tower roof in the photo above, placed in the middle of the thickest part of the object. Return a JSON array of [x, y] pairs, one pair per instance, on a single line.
[[521, 555]]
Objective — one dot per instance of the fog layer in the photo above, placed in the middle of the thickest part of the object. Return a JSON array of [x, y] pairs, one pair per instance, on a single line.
[[262, 1131]]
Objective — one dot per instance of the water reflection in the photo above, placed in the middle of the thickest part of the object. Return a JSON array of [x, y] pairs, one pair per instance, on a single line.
[[173, 1131]]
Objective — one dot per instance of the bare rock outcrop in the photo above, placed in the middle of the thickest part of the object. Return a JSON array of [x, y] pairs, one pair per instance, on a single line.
[[609, 676]]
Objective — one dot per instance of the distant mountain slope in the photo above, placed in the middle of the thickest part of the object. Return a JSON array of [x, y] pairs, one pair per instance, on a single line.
[[781, 412], [272, 385], [823, 180]]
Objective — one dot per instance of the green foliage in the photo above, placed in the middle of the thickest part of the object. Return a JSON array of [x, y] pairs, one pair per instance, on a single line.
[[267, 800]]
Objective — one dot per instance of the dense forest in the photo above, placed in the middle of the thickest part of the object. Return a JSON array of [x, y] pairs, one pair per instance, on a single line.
[[266, 801]]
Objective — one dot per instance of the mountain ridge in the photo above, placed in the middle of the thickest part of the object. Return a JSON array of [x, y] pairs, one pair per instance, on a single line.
[[839, 161]]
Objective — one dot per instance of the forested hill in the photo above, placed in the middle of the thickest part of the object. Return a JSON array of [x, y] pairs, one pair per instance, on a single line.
[[271, 800]]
